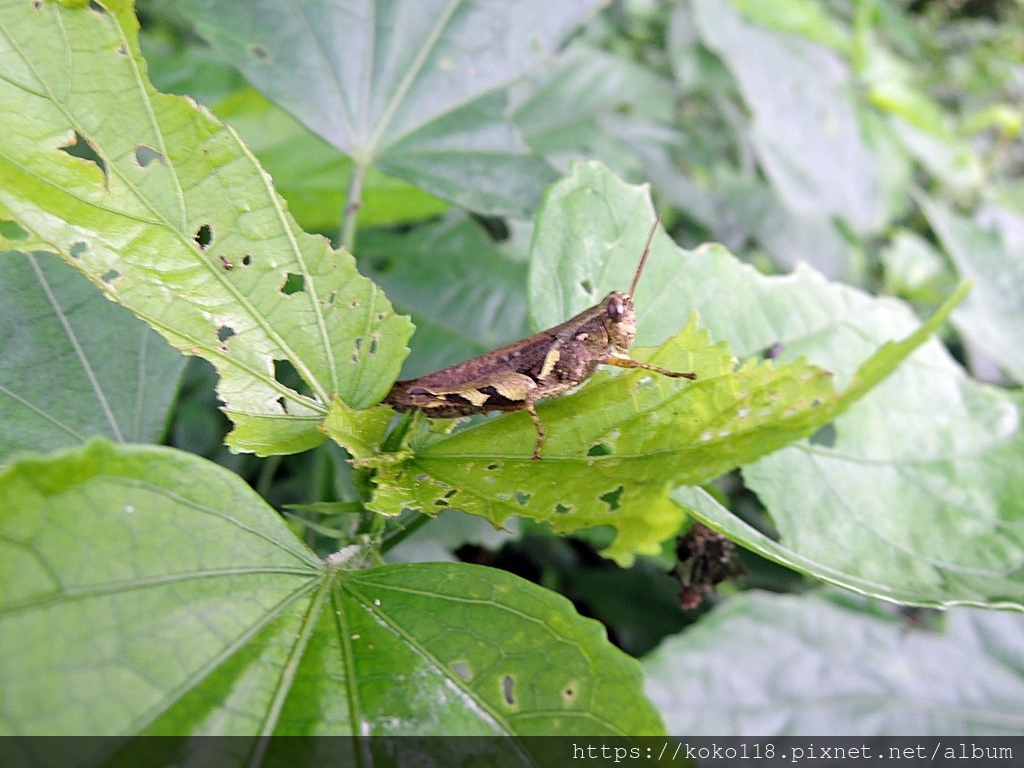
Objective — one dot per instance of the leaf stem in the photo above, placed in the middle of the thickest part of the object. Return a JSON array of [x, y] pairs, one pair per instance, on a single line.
[[403, 531], [265, 478], [353, 202]]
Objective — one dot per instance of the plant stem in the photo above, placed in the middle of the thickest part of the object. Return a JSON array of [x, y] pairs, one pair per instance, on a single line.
[[353, 202]]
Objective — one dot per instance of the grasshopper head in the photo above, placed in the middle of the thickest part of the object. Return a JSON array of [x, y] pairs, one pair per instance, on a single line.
[[620, 319]]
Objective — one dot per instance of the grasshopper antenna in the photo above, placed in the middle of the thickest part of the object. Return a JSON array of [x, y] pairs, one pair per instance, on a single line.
[[647, 250]]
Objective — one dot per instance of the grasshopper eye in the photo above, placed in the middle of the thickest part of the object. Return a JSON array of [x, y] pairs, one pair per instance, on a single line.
[[616, 309]]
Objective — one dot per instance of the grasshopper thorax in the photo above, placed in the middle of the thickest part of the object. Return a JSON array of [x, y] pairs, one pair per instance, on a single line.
[[619, 319]]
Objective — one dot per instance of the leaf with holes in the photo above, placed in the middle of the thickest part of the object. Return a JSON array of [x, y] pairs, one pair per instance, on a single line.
[[199, 612], [915, 495], [168, 212], [616, 447], [416, 89]]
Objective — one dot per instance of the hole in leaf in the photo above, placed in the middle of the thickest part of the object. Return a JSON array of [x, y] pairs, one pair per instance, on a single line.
[[293, 283], [462, 670], [492, 467], [508, 686], [110, 276], [203, 236], [285, 373], [37, 4], [78, 249], [563, 509], [373, 344], [227, 263], [569, 694], [359, 343], [587, 286], [440, 503], [96, 7], [612, 498], [451, 494], [260, 52], [522, 498], [354, 303], [283, 403], [122, 50], [11, 230], [825, 437], [247, 260], [145, 155], [83, 149], [224, 333], [601, 449]]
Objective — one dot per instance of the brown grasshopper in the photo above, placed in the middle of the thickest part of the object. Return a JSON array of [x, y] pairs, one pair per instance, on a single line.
[[516, 376]]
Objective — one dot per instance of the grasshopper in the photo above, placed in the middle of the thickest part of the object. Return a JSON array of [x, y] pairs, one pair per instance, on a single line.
[[516, 376]]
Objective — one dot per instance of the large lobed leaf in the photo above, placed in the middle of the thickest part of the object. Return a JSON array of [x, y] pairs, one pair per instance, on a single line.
[[169, 213], [194, 610], [616, 447], [312, 175], [414, 87]]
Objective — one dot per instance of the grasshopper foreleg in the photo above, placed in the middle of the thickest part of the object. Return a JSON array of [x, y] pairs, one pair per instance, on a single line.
[[623, 361]]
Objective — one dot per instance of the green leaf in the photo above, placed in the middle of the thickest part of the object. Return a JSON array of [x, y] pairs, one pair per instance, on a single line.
[[312, 175], [833, 671], [73, 364], [418, 90], [169, 213], [564, 111], [789, 237], [802, 17], [805, 130], [992, 256], [614, 448], [197, 611], [914, 495]]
